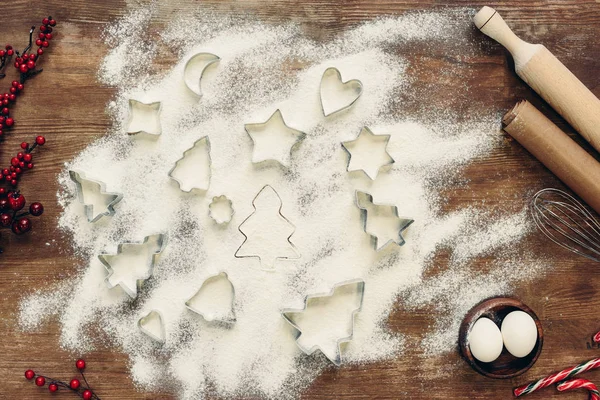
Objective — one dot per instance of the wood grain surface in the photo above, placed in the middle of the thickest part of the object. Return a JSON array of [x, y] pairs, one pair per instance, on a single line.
[[66, 104]]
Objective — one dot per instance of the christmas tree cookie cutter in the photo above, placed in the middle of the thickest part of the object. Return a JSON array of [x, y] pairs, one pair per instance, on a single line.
[[145, 326], [81, 183], [268, 265], [370, 170], [221, 210], [362, 201], [144, 118], [331, 82], [135, 283], [223, 280], [289, 315], [197, 182], [194, 70]]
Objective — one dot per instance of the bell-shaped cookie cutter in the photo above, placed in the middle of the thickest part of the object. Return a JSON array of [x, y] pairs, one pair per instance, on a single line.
[[161, 337], [361, 197], [182, 184], [161, 241], [207, 317], [326, 75], [215, 215], [286, 314], [79, 178], [191, 77], [154, 109]]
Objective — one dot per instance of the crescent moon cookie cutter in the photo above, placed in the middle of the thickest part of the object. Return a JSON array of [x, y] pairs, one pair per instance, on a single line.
[[219, 279], [331, 81], [82, 183], [363, 199], [144, 118], [289, 314], [132, 284], [147, 325], [194, 70], [197, 182]]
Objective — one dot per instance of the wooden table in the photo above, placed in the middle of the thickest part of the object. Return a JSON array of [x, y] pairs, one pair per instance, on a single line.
[[66, 104]]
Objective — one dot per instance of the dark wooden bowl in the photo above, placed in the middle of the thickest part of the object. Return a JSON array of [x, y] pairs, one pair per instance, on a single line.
[[507, 365]]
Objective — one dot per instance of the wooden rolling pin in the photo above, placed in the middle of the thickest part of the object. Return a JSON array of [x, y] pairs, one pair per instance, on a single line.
[[556, 150], [541, 70]]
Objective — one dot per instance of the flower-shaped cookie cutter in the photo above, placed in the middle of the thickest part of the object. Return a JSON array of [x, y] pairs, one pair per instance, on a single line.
[[362, 199], [192, 76], [80, 180], [288, 315], [146, 112], [228, 319], [220, 216], [131, 290], [146, 320], [333, 74], [181, 182]]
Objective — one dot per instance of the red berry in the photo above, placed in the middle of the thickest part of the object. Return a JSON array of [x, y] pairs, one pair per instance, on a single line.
[[40, 52], [43, 28], [24, 145], [29, 374], [20, 86], [20, 155], [13, 90], [86, 395], [12, 97], [41, 35], [2, 190], [5, 111], [45, 21], [27, 157], [6, 171], [45, 43], [2, 53], [5, 221], [30, 165], [13, 182], [14, 161], [74, 384], [40, 140], [80, 364], [23, 68], [36, 209], [21, 226], [10, 52], [9, 122], [52, 22], [19, 169], [53, 387], [8, 47], [16, 201], [48, 36], [30, 64], [40, 381], [3, 204], [38, 42]]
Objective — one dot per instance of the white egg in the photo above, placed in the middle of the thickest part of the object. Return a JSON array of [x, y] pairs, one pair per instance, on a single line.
[[485, 340], [519, 333]]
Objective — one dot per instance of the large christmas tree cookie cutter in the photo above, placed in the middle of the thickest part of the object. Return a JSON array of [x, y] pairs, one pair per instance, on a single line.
[[289, 315], [81, 181], [129, 288]]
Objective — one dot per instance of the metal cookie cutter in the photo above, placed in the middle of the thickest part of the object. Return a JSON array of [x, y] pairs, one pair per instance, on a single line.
[[290, 315], [112, 198], [135, 283], [183, 185], [226, 319], [372, 170], [221, 209], [362, 201], [144, 324], [266, 191], [282, 155], [144, 112], [333, 74], [194, 70]]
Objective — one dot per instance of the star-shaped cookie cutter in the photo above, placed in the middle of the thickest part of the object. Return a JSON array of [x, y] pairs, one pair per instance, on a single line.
[[361, 198], [161, 338], [204, 315], [79, 177], [368, 132], [161, 241], [180, 182], [136, 106], [287, 315]]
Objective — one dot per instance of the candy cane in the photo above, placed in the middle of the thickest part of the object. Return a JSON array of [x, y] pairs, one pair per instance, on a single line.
[[579, 383], [557, 377], [597, 337]]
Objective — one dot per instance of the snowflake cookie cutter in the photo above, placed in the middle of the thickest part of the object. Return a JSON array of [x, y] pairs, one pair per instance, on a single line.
[[147, 319], [288, 315], [334, 75], [228, 319], [284, 157], [131, 290], [221, 217], [288, 238], [80, 180], [362, 199], [146, 112], [370, 172], [192, 76], [183, 186]]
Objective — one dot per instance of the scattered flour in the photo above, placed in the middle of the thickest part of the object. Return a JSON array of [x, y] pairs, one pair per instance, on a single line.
[[264, 68]]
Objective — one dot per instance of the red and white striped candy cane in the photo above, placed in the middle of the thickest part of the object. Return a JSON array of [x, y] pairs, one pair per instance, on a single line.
[[579, 383], [597, 337]]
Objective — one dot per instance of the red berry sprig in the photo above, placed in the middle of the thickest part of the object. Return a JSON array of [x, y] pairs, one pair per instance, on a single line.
[[82, 389]]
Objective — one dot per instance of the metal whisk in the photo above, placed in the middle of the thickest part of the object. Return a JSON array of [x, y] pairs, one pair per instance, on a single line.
[[567, 222]]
